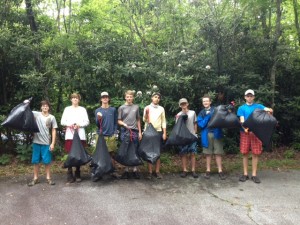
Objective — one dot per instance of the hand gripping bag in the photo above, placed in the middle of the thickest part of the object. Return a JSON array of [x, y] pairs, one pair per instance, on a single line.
[[150, 145], [77, 155], [127, 152], [101, 161], [262, 124], [21, 118], [223, 117], [180, 134]]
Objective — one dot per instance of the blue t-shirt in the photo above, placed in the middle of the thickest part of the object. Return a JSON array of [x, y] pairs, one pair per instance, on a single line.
[[109, 121], [246, 110]]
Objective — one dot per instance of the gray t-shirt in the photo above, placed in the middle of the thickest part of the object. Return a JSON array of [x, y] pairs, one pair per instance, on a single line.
[[192, 119], [129, 114], [45, 124]]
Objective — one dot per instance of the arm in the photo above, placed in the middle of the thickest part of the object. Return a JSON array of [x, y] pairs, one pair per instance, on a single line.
[[53, 139], [164, 125], [164, 134], [139, 128], [203, 121]]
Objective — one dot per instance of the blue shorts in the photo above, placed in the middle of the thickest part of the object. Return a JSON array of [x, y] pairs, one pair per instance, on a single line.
[[191, 148], [41, 153]]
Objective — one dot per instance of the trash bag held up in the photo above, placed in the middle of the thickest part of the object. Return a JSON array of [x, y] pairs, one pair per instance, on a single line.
[[150, 145], [21, 118], [78, 155], [101, 161], [127, 153], [224, 117], [262, 124], [180, 134]]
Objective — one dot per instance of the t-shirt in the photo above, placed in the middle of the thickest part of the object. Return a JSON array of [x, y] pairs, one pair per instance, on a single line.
[[129, 114], [45, 125], [246, 110], [109, 120], [157, 117], [191, 120]]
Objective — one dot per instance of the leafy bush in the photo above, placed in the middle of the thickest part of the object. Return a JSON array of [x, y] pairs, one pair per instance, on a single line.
[[24, 153], [289, 154], [5, 159]]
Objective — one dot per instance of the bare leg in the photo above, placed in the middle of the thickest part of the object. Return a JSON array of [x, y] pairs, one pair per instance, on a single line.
[[47, 169], [157, 166], [245, 164], [36, 169], [219, 162], [254, 164], [193, 160], [208, 162], [149, 167], [183, 160]]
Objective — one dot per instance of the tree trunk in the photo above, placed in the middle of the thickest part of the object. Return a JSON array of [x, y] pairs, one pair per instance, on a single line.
[[274, 49], [295, 4]]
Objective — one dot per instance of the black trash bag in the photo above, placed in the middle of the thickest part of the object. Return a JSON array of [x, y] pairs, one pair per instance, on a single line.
[[21, 118], [150, 145], [180, 134], [224, 117], [127, 152], [77, 155], [101, 162], [262, 124]]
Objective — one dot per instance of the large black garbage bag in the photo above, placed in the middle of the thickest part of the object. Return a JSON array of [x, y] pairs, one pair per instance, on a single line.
[[101, 161], [223, 117], [262, 124], [150, 145], [180, 134], [127, 153], [77, 155], [21, 118]]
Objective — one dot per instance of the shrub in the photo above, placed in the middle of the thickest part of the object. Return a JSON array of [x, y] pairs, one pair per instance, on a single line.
[[5, 159], [24, 153]]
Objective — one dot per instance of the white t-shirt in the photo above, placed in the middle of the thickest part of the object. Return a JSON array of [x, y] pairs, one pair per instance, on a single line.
[[75, 115]]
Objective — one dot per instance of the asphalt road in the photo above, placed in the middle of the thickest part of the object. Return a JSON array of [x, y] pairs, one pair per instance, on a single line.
[[173, 200]]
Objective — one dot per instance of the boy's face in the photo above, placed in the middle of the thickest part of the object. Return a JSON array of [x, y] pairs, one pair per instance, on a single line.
[[75, 101], [155, 99], [45, 108], [184, 105], [105, 100], [206, 102], [129, 99], [249, 98]]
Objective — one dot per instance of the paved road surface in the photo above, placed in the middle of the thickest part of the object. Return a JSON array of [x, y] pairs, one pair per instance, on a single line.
[[170, 201]]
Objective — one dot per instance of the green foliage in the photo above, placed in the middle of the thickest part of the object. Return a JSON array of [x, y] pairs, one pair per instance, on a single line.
[[289, 154], [5, 159], [24, 153]]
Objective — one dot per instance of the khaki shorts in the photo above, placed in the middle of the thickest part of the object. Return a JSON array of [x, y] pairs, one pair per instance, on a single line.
[[111, 143], [215, 146]]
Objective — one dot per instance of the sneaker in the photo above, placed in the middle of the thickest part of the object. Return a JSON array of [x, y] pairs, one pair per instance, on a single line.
[[183, 174], [207, 175], [158, 175], [125, 175], [255, 179], [33, 182], [136, 175], [222, 176], [243, 178], [194, 174], [51, 182], [149, 176]]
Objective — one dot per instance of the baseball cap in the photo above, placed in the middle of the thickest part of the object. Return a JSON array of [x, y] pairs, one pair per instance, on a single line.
[[249, 91], [156, 93], [104, 93], [182, 100]]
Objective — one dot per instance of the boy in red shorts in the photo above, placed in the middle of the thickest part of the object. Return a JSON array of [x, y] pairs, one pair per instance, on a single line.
[[248, 139]]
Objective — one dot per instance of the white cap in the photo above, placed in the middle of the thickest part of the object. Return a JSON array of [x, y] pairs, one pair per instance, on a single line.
[[249, 91], [104, 93], [182, 100]]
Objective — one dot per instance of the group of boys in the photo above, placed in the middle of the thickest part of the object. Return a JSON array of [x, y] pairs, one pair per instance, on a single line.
[[127, 116]]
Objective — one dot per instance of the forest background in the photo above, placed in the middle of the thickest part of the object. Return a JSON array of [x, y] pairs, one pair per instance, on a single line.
[[181, 48]]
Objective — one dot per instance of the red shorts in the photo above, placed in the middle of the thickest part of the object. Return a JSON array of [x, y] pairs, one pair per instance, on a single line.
[[68, 145], [249, 140]]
